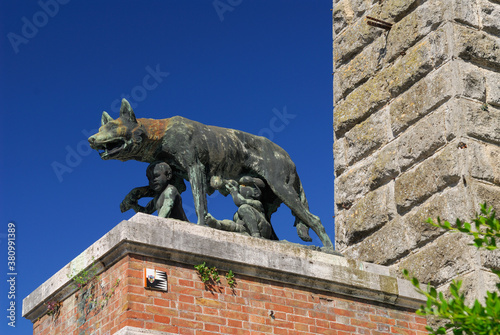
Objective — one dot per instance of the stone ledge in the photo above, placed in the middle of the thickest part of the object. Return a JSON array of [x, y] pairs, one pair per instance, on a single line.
[[192, 244]]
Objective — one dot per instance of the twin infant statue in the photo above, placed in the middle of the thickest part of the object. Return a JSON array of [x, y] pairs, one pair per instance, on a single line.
[[246, 194]]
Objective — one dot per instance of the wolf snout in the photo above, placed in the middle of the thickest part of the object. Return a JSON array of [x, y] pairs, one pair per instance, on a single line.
[[92, 141]]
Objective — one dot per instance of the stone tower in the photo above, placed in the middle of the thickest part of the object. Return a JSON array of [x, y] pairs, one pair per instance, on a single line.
[[417, 132]]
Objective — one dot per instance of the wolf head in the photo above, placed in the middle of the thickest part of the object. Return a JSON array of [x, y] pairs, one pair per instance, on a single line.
[[121, 138]]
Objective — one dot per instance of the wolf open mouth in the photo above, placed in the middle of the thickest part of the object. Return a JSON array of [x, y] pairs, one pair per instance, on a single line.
[[111, 148]]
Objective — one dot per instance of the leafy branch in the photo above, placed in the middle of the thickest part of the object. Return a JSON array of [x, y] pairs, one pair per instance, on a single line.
[[476, 319]]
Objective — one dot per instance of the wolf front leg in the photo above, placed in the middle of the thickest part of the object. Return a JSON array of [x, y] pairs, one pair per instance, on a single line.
[[198, 181]]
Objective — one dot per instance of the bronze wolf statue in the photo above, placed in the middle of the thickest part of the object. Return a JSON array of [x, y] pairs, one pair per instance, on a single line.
[[198, 152]]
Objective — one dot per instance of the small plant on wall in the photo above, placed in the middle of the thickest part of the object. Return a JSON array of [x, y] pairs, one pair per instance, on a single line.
[[92, 295], [53, 308], [210, 275]]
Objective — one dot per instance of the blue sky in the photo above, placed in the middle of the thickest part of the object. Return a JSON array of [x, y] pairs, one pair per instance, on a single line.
[[63, 63]]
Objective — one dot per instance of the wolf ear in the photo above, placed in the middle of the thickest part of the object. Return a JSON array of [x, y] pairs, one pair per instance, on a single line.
[[126, 112], [105, 118]]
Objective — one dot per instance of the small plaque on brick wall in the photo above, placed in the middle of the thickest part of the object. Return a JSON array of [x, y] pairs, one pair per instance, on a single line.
[[155, 279]]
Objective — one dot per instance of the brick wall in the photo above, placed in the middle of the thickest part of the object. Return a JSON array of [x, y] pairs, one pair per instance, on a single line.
[[417, 133], [190, 307], [281, 288]]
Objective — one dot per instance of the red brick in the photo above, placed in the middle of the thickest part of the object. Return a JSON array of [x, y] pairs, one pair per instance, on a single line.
[[211, 319], [403, 331], [212, 328], [403, 324], [301, 326], [280, 331], [210, 311], [261, 328], [187, 291], [161, 327], [158, 310], [340, 326], [134, 273], [300, 319], [131, 323], [139, 298], [186, 331], [189, 307], [186, 298], [187, 323], [421, 320], [185, 282], [321, 330], [235, 331], [210, 303], [281, 323], [364, 324], [402, 316], [344, 312], [234, 315], [234, 323], [417, 326], [382, 319], [161, 302], [277, 307]]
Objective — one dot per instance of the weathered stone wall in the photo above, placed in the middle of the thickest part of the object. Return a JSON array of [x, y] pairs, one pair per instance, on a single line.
[[417, 133]]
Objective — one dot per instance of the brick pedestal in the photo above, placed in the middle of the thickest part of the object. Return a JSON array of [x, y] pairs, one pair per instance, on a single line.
[[280, 288]]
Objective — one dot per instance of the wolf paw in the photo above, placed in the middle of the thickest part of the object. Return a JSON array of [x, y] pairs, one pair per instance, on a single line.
[[303, 232]]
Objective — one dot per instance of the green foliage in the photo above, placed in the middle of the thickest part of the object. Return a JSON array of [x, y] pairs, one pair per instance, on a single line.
[[210, 275], [486, 232], [476, 319], [230, 279], [84, 276], [53, 307]]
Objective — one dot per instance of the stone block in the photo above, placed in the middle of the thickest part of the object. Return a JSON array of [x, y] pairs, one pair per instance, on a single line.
[[352, 184], [490, 17], [477, 47], [408, 108], [484, 161], [367, 136], [391, 81], [492, 88], [368, 214], [413, 27], [358, 70], [369, 174], [474, 286], [352, 41], [422, 140], [485, 193], [445, 258], [472, 81], [387, 245], [339, 156], [358, 105], [448, 205], [419, 60], [490, 259], [360, 34], [431, 176], [384, 167], [464, 11], [481, 121], [347, 11]]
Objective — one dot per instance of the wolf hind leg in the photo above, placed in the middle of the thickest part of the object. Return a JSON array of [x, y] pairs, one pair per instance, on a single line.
[[198, 181], [296, 201]]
